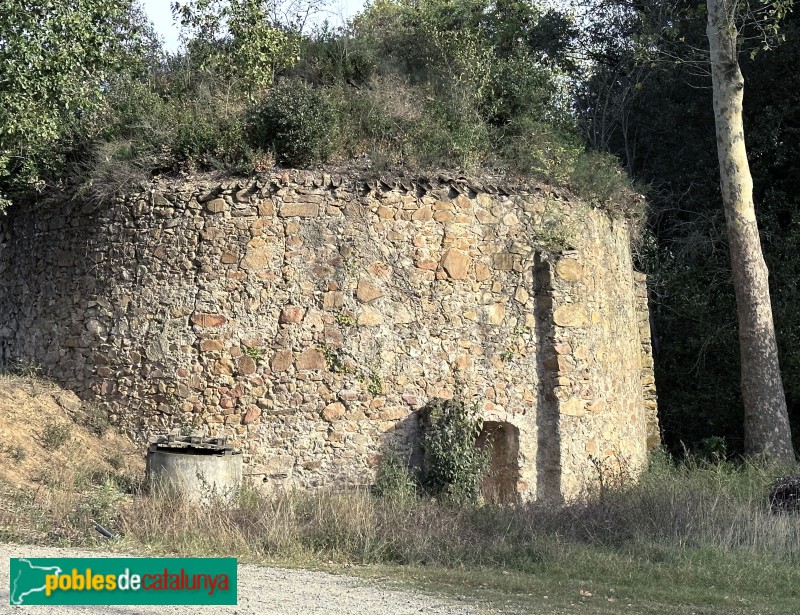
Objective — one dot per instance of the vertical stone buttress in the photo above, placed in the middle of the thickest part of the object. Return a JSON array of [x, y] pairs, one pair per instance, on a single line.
[[647, 371]]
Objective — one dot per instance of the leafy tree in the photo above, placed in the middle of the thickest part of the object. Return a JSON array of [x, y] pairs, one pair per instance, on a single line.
[[55, 59], [454, 467], [767, 429], [240, 38], [654, 109]]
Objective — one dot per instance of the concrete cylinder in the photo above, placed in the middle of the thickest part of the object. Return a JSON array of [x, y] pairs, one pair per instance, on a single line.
[[199, 477]]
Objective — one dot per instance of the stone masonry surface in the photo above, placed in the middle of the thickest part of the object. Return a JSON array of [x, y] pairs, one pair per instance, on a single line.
[[310, 317]]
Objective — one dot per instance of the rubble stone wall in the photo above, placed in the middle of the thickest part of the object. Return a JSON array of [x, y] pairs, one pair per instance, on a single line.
[[309, 317]]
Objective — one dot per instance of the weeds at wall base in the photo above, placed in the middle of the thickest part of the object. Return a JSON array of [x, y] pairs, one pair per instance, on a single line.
[[705, 528]]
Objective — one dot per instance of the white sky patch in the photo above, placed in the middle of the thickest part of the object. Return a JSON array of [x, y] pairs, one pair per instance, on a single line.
[[337, 12]]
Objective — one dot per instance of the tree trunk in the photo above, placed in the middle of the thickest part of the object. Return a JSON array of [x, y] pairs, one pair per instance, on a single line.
[[766, 421]]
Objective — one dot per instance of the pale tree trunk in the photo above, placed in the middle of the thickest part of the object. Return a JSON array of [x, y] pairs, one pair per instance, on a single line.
[[766, 421]]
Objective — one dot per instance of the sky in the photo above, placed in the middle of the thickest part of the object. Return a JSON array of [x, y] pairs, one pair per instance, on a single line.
[[160, 14]]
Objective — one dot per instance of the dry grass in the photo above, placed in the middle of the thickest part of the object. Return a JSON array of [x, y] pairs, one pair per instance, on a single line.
[[688, 536], [697, 536], [718, 508], [60, 469]]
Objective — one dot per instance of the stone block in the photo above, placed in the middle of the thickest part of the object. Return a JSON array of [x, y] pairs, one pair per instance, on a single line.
[[208, 320], [216, 206], [332, 300], [367, 291], [292, 314], [569, 270], [282, 360], [258, 256], [426, 263], [423, 214], [246, 365], [572, 407], [310, 359], [482, 272], [571, 315], [456, 263], [495, 313], [300, 210], [266, 208], [252, 414], [211, 346], [334, 411], [503, 261], [370, 316]]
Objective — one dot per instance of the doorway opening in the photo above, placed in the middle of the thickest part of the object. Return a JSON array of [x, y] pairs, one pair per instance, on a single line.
[[500, 484]]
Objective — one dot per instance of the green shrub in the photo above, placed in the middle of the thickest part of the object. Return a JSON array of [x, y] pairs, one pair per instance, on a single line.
[[297, 122], [376, 122], [454, 467], [210, 138], [96, 420], [55, 435], [539, 149], [394, 482]]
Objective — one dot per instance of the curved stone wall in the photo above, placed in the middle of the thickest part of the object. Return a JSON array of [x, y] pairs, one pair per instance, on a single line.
[[310, 317]]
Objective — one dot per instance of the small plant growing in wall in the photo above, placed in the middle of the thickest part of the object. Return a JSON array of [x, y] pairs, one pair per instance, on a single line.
[[517, 342], [335, 360], [254, 352], [345, 320], [373, 382], [454, 467]]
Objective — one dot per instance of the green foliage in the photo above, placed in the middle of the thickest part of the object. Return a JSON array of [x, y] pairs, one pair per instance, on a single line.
[[254, 352], [374, 383], [437, 83], [95, 420], [538, 148], [657, 117], [54, 435], [104, 502], [345, 320], [336, 360], [454, 467], [55, 59], [712, 449], [393, 481], [295, 121], [238, 38]]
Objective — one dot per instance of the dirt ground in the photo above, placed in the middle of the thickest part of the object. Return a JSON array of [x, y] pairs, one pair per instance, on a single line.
[[36, 415], [262, 590], [53, 447]]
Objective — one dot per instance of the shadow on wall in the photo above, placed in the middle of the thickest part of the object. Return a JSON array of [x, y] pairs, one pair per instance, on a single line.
[[548, 452], [61, 262], [501, 484]]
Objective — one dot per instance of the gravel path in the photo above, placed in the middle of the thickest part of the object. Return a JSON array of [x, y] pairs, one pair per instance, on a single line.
[[263, 591]]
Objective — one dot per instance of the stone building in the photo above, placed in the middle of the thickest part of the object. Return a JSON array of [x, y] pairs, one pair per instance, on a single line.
[[310, 317]]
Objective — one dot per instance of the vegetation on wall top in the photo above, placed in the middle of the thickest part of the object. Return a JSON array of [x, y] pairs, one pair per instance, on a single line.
[[423, 84]]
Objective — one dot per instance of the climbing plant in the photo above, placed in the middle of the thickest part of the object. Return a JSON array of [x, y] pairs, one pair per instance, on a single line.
[[454, 467]]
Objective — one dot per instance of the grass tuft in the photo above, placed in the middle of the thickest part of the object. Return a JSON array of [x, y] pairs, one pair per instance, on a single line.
[[696, 533]]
